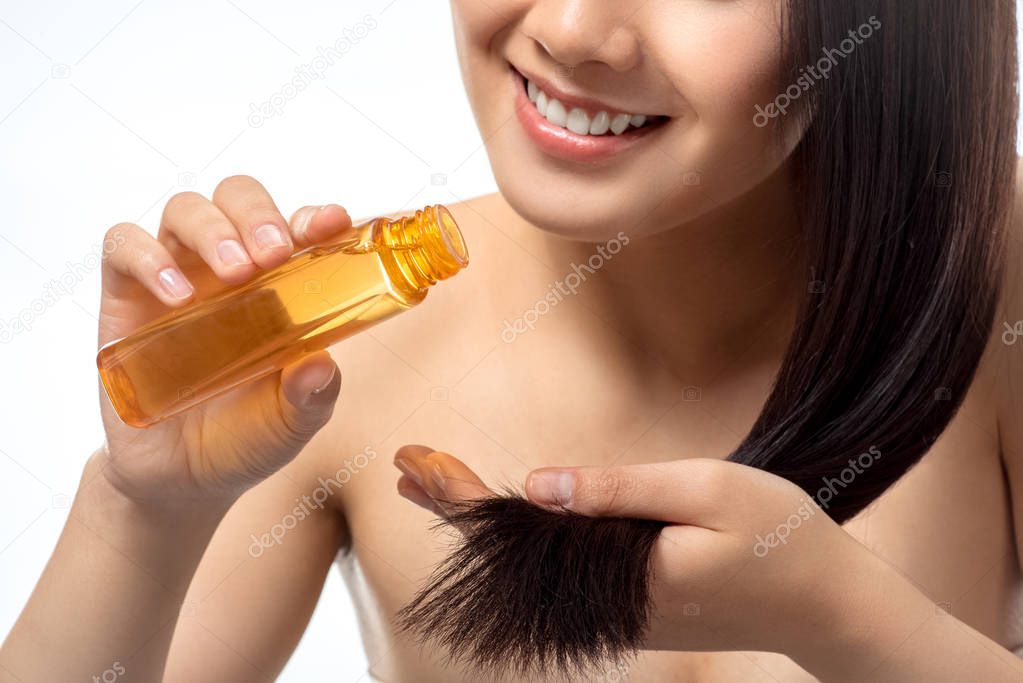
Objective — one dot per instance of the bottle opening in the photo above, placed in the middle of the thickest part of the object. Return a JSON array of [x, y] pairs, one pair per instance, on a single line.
[[426, 246], [451, 235]]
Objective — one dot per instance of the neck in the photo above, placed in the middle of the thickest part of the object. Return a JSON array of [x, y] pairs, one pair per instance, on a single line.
[[708, 297]]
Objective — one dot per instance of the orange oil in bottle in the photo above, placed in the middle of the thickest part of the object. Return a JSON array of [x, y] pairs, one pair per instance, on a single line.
[[320, 296]]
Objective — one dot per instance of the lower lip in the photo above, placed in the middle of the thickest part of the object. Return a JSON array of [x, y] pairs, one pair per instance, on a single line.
[[562, 143]]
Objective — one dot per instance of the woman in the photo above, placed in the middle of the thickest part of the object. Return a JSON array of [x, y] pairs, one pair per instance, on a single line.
[[767, 231]]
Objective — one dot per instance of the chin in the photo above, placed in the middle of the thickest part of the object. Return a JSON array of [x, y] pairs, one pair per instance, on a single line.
[[578, 210], [580, 205], [573, 216]]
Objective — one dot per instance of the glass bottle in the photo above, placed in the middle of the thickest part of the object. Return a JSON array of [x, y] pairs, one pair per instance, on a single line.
[[320, 296]]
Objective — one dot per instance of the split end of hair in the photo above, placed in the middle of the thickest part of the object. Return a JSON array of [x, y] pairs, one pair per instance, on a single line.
[[536, 592]]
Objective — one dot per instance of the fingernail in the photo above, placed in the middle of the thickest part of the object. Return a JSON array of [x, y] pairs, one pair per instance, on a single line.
[[326, 383], [318, 396], [269, 236], [232, 253], [301, 226], [438, 476], [550, 487], [175, 284], [410, 471]]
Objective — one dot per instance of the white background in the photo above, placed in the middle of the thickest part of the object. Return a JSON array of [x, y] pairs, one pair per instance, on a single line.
[[106, 110]]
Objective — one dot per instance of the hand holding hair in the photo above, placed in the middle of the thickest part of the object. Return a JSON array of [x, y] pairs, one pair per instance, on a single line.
[[690, 555]]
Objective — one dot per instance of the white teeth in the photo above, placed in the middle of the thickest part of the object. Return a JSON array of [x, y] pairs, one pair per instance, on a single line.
[[579, 120], [601, 123], [620, 123], [556, 113], [541, 103]]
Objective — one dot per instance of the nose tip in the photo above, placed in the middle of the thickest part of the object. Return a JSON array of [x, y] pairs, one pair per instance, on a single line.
[[574, 32]]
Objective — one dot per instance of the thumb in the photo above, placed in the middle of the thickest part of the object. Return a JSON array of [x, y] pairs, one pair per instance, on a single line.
[[308, 390], [680, 492]]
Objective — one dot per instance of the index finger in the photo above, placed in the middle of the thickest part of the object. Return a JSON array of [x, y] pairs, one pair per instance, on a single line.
[[695, 491], [444, 478]]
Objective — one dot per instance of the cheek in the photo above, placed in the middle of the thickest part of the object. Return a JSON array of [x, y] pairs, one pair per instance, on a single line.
[[480, 28], [725, 60], [476, 23]]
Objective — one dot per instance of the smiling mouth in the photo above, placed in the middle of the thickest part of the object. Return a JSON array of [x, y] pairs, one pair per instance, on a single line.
[[588, 121]]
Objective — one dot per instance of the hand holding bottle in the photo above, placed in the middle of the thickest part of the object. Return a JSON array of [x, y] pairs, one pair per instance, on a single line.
[[221, 448]]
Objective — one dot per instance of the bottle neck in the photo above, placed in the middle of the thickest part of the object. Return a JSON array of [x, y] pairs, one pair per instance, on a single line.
[[427, 246]]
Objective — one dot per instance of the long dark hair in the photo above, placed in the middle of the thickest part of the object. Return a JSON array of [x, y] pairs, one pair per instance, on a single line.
[[905, 174]]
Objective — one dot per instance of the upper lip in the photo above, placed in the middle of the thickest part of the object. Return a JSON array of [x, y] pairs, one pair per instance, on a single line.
[[571, 101]]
